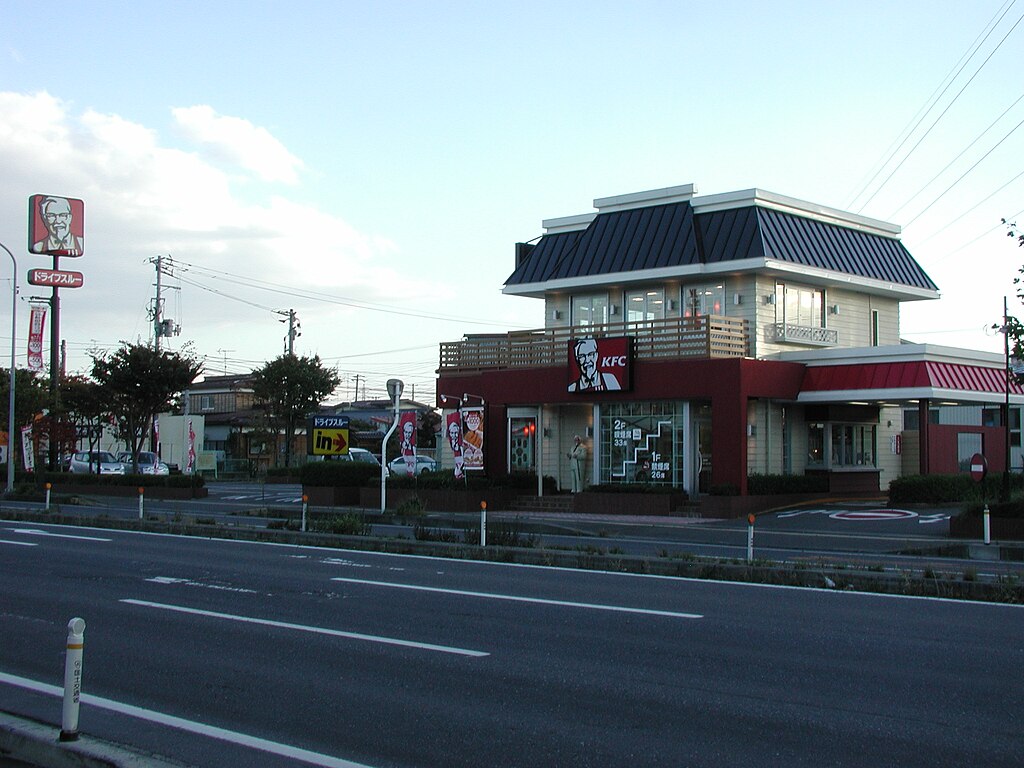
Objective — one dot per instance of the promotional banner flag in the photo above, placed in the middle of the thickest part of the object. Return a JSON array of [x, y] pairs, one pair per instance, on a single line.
[[453, 428], [407, 430], [27, 453], [473, 437], [190, 468], [36, 322]]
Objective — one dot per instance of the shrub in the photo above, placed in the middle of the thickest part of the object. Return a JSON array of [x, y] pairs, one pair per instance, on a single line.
[[348, 524], [940, 489], [338, 474], [1005, 509]]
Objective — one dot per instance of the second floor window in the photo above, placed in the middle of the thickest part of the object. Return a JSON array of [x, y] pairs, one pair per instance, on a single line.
[[706, 299], [590, 310], [799, 305], [642, 306], [206, 402]]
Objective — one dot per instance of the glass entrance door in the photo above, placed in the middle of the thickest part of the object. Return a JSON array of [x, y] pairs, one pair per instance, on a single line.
[[522, 444]]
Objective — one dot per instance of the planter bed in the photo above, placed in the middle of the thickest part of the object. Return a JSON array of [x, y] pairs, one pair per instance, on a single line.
[[441, 499]]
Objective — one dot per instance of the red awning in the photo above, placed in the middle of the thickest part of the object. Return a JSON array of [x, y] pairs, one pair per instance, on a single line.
[[917, 374]]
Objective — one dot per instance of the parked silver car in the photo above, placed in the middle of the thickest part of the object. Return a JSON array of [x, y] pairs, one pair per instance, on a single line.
[[423, 464], [95, 463], [149, 463]]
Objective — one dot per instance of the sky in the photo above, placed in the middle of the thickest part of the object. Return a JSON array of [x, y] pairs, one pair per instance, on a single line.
[[371, 165]]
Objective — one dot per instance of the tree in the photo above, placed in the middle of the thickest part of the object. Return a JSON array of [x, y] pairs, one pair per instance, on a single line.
[[290, 387], [83, 402], [137, 382], [1014, 328], [31, 396]]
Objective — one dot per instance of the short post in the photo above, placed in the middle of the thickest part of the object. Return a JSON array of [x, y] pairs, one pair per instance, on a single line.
[[305, 507], [72, 680], [483, 523], [988, 525], [48, 486], [142, 493], [750, 537]]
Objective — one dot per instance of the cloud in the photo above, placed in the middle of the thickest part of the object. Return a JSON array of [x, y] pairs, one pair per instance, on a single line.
[[239, 141], [144, 197]]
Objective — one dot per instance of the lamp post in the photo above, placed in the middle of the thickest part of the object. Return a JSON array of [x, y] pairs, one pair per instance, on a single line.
[[395, 389], [10, 398]]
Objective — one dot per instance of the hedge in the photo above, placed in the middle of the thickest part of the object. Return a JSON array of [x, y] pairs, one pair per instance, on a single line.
[[338, 474], [943, 489]]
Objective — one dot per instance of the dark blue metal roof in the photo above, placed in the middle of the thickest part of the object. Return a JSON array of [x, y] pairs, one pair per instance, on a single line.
[[672, 235], [622, 241]]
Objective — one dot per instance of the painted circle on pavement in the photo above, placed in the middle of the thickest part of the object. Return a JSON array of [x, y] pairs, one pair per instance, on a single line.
[[873, 514]]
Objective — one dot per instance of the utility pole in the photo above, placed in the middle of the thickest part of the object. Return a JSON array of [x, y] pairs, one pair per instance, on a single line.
[[161, 327], [293, 330]]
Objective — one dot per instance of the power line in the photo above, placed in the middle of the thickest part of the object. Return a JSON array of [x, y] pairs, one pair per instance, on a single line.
[[948, 106], [894, 214]]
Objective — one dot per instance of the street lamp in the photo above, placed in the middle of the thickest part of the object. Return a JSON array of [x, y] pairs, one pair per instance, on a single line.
[[395, 389], [10, 398]]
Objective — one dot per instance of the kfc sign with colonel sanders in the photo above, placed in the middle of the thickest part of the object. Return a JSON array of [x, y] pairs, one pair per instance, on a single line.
[[600, 364]]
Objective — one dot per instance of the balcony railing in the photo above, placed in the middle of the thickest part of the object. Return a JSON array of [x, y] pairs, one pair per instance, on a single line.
[[803, 334], [698, 337]]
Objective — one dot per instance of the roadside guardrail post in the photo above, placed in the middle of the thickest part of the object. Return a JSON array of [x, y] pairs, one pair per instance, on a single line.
[[142, 493], [750, 537], [72, 680], [483, 523], [48, 487], [305, 507]]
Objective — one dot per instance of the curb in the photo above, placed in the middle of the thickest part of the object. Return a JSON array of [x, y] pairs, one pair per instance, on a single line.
[[37, 744]]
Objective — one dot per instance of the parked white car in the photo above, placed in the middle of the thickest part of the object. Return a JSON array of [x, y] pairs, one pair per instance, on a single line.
[[95, 463], [360, 454], [149, 464], [398, 466]]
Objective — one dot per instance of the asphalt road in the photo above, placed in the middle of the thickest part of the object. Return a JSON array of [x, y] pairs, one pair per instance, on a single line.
[[222, 653]]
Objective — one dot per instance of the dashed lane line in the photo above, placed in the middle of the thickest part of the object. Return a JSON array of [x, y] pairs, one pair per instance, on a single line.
[[521, 599], [305, 628]]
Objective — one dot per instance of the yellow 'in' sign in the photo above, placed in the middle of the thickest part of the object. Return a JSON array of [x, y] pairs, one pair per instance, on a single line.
[[330, 442]]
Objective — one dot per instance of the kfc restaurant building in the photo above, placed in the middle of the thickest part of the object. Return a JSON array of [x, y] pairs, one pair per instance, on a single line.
[[695, 341]]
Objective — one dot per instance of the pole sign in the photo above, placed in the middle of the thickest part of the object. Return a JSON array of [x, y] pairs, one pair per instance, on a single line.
[[56, 225], [56, 278], [327, 436], [979, 467]]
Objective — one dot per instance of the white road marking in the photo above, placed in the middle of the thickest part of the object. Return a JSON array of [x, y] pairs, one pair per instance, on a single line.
[[190, 726], [36, 532], [305, 628], [190, 583], [520, 599], [20, 543]]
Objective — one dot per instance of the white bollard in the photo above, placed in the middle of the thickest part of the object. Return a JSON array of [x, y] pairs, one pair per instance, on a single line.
[[483, 523], [750, 538], [305, 506], [72, 680], [142, 493], [988, 526], [48, 487]]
